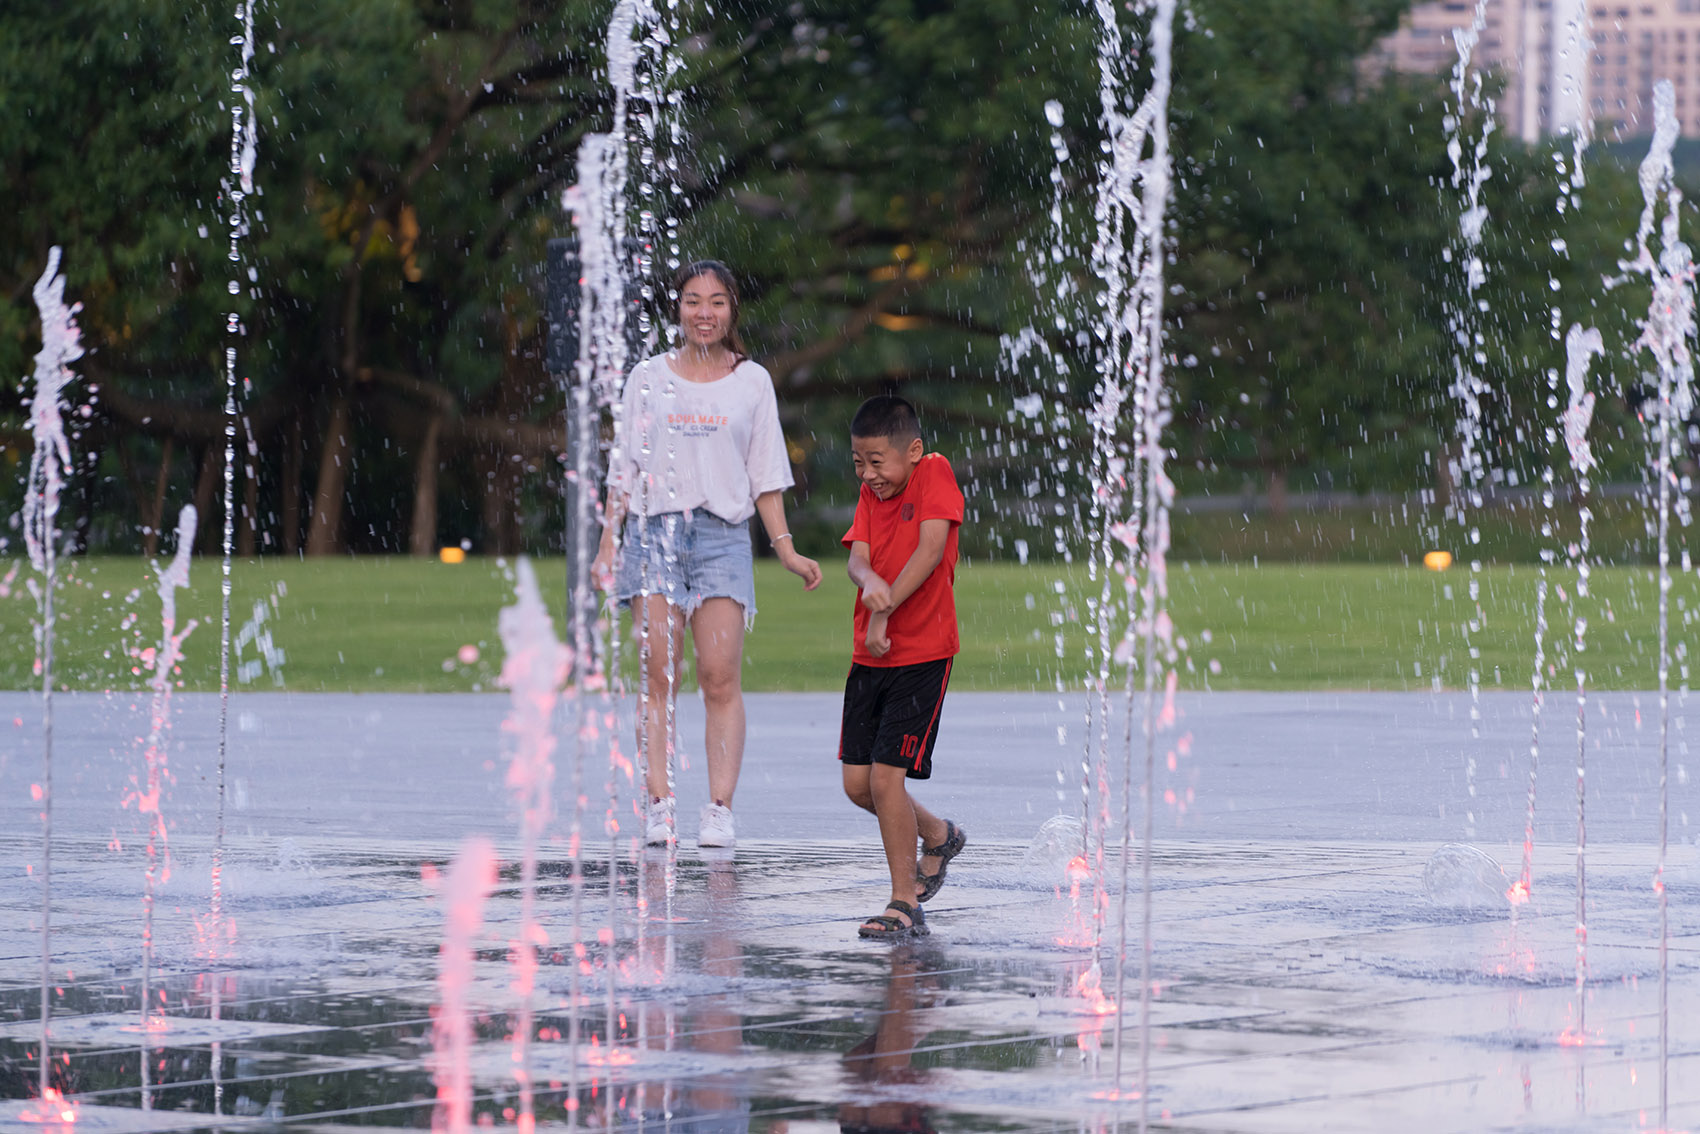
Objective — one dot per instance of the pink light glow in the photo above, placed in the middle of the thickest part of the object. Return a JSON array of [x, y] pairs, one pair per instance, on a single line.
[[1089, 986], [52, 1108], [611, 1057], [465, 890], [154, 1026]]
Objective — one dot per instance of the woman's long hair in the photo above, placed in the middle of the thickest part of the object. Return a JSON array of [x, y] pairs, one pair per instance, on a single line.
[[727, 280]]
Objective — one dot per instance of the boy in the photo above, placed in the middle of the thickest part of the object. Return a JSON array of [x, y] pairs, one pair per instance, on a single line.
[[903, 559]]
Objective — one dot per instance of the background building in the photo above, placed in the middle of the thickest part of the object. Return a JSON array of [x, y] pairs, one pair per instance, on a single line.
[[1552, 81]]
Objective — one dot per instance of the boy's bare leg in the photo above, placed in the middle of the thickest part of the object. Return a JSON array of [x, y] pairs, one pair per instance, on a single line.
[[896, 812], [859, 787], [717, 629], [932, 831], [665, 620], [929, 828]]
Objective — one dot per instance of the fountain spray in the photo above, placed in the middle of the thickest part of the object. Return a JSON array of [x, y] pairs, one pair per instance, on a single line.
[[50, 463], [149, 799], [1470, 173], [238, 186], [534, 665], [614, 327], [1580, 346], [1666, 334], [1133, 493], [465, 890]]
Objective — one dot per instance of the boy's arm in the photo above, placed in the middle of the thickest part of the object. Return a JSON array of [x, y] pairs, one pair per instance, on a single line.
[[928, 554], [876, 592]]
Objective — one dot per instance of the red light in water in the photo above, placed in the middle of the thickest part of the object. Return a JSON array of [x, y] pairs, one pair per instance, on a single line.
[[52, 1107], [1519, 893], [155, 1024], [618, 1057], [1088, 987], [1570, 1037]]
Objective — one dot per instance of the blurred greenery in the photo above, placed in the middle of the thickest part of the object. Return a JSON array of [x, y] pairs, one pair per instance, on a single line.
[[390, 624], [881, 175]]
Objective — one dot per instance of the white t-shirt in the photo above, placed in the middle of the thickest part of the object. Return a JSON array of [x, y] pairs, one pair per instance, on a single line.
[[684, 445]]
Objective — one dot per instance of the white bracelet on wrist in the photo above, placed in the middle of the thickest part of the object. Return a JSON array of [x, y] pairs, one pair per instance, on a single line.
[[774, 542]]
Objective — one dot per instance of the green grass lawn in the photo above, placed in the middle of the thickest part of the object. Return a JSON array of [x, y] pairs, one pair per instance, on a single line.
[[399, 624]]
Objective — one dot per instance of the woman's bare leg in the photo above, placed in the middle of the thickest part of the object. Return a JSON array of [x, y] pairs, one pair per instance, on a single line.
[[717, 631], [666, 641]]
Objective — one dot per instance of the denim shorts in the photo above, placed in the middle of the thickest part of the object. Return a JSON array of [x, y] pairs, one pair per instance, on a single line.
[[686, 557]]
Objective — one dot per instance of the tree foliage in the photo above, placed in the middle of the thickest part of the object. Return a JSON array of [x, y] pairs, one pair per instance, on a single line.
[[878, 171]]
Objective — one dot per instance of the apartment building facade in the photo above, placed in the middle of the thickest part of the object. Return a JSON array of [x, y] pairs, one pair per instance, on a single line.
[[1565, 62]]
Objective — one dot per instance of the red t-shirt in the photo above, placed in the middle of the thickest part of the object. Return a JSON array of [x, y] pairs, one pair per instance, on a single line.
[[923, 627]]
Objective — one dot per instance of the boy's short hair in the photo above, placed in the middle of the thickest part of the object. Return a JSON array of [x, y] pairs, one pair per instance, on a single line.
[[888, 416]]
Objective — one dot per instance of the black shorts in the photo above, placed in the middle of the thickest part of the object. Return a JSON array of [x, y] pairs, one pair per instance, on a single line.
[[891, 715]]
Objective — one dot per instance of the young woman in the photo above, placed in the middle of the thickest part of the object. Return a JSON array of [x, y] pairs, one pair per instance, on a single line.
[[698, 453]]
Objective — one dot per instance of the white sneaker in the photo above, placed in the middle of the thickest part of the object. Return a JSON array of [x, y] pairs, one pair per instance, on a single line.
[[716, 829], [658, 822]]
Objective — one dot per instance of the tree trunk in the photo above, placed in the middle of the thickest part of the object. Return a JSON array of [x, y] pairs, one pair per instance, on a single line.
[[156, 514], [422, 534], [325, 526], [289, 488], [212, 460], [250, 515], [490, 500], [1278, 493], [1445, 483]]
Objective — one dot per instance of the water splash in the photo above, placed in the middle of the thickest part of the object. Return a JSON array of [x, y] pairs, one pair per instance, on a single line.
[[464, 892], [1666, 334], [256, 635], [237, 187], [1035, 356], [50, 463], [1471, 107]]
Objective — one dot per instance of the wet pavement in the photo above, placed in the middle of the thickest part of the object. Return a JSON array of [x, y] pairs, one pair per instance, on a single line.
[[1303, 978]]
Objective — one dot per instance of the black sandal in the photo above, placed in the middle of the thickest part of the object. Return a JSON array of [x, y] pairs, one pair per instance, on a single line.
[[954, 841], [891, 927]]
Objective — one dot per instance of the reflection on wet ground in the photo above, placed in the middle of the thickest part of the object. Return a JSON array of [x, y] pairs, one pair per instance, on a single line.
[[1299, 987]]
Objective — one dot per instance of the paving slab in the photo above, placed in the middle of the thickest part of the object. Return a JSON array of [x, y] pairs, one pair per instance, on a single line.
[[1303, 978]]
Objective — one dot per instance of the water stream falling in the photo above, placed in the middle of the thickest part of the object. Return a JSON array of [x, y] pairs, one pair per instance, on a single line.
[[1580, 345], [1666, 334], [149, 795], [1472, 107], [1030, 354], [237, 187], [50, 463], [534, 667], [1573, 34]]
